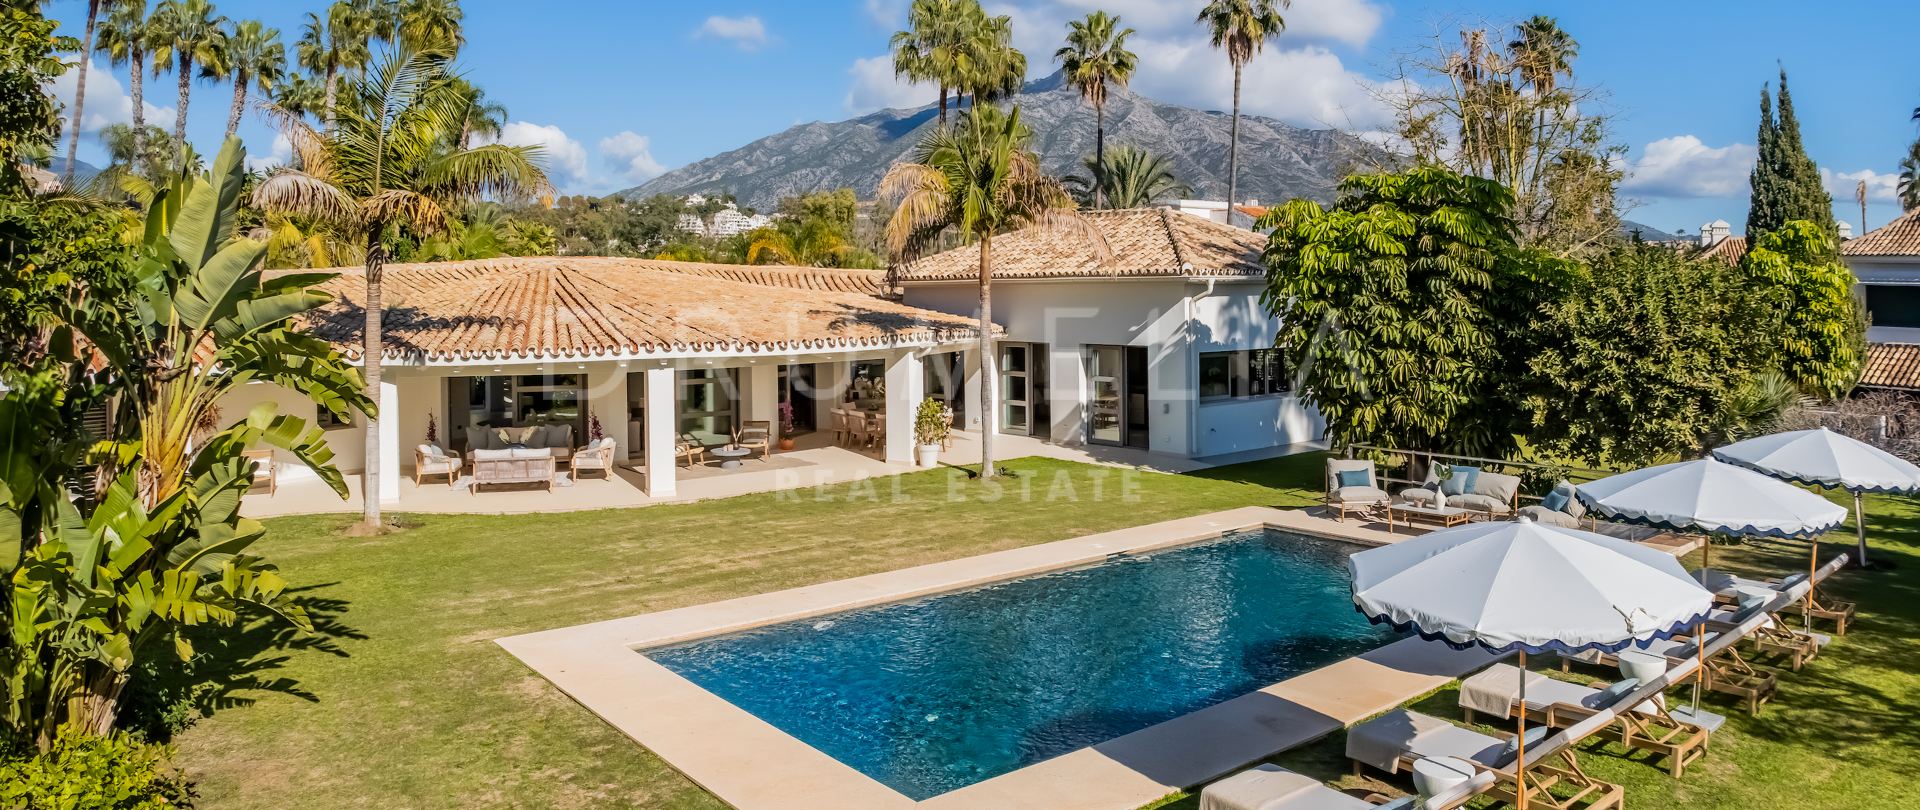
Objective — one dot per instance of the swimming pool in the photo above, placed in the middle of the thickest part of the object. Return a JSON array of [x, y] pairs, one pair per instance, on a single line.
[[934, 694]]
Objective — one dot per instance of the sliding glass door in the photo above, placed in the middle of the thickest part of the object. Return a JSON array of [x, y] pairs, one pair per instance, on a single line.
[[1023, 389], [1105, 383]]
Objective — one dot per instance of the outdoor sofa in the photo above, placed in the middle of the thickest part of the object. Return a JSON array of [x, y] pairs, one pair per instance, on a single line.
[[1489, 493], [555, 440], [519, 466]]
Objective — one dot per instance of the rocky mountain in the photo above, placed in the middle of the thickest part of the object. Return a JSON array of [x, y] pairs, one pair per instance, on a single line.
[[1278, 161]]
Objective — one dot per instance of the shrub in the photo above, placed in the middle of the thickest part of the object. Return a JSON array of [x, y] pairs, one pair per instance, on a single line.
[[83, 772]]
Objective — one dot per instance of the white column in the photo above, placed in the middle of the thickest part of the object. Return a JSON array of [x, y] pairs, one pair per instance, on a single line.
[[904, 383], [970, 387], [390, 442], [762, 395], [1066, 395], [663, 420], [607, 401]]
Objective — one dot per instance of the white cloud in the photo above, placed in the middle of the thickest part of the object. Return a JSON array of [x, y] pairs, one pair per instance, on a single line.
[[1682, 166], [108, 101], [887, 13], [630, 154], [1880, 187], [747, 32], [281, 155], [565, 157], [875, 87], [1307, 86]]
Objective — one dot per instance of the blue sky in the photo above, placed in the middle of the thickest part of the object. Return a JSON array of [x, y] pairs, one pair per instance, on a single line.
[[620, 91]]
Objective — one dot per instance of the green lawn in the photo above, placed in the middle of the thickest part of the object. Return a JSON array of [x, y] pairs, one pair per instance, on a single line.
[[403, 701]]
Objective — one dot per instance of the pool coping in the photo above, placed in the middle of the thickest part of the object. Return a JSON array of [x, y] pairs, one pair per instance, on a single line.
[[752, 765]]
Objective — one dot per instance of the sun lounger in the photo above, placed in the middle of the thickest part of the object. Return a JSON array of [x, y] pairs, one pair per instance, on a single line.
[[1772, 636], [1734, 589], [1271, 787], [1559, 704], [1397, 739]]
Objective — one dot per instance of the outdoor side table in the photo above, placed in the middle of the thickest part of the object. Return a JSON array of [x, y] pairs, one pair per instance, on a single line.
[[1445, 516], [732, 456]]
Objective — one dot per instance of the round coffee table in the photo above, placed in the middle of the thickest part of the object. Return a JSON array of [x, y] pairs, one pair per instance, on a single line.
[[732, 456]]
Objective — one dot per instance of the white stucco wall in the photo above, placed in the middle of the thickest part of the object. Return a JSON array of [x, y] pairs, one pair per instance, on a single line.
[[348, 444], [1174, 319]]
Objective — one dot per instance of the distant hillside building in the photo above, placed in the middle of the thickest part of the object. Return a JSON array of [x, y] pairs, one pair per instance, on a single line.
[[691, 223], [730, 221]]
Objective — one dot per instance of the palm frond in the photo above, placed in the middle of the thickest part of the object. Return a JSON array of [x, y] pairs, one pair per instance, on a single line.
[[292, 191], [309, 146], [494, 171], [419, 210]]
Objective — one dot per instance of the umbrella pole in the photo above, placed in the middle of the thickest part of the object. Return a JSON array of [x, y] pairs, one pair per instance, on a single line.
[[1700, 670], [1860, 526], [1706, 551], [1813, 567], [1520, 775]]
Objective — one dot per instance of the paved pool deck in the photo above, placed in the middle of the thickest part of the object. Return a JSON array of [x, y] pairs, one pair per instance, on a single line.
[[754, 766]]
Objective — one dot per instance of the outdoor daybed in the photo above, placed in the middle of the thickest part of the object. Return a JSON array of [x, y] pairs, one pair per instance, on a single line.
[[1558, 704], [1397, 739], [1271, 787]]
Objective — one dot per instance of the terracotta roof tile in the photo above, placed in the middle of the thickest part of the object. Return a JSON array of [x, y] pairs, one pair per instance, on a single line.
[[560, 306], [1730, 250], [1900, 237], [1144, 242], [1891, 365]]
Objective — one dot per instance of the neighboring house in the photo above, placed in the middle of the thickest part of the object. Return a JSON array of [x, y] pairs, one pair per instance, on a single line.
[[39, 179], [730, 221], [1886, 262], [1216, 210], [1166, 348], [658, 351]]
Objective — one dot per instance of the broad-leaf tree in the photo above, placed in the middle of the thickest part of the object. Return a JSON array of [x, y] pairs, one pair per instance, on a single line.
[[980, 180], [1385, 301], [160, 544], [385, 165], [1096, 55], [1821, 334], [1241, 28]]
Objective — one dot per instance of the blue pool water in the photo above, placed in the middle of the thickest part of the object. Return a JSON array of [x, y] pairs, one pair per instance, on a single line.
[[942, 692]]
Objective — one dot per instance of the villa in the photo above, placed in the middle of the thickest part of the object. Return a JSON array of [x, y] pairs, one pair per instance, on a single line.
[[1886, 261], [1165, 350]]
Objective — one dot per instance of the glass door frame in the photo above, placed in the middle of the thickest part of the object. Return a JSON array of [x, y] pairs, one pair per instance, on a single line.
[[1007, 375], [1116, 379]]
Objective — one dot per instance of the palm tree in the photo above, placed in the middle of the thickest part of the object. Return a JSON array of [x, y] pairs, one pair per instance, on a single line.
[[124, 39], [989, 67], [152, 149], [1909, 187], [480, 116], [1095, 55], [929, 49], [1241, 28], [253, 54], [1134, 178], [339, 42], [811, 242], [189, 32], [80, 90], [1543, 52], [980, 180], [301, 96], [386, 164], [431, 25]]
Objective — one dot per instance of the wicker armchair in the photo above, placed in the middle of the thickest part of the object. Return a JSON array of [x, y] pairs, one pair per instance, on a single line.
[[436, 462], [597, 455], [694, 452], [264, 466], [756, 435]]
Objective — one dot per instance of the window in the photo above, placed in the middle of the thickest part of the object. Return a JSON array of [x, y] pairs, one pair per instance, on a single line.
[[328, 420], [1254, 373], [1891, 305]]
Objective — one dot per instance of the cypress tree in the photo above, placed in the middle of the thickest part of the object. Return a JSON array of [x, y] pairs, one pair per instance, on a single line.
[[1786, 183]]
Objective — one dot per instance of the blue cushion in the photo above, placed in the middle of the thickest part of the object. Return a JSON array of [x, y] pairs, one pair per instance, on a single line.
[[1461, 482], [1614, 693], [1534, 736], [1692, 648], [1792, 581], [1556, 501], [1353, 478], [1749, 607], [1402, 803]]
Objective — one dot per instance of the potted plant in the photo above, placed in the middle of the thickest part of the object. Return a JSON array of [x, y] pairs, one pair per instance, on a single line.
[[786, 426], [930, 426]]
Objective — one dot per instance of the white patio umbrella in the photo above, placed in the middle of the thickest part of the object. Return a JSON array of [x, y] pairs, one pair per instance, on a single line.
[[1717, 498], [1527, 587], [1823, 458]]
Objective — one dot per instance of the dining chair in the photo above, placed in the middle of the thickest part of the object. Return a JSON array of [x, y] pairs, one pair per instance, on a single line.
[[877, 430]]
